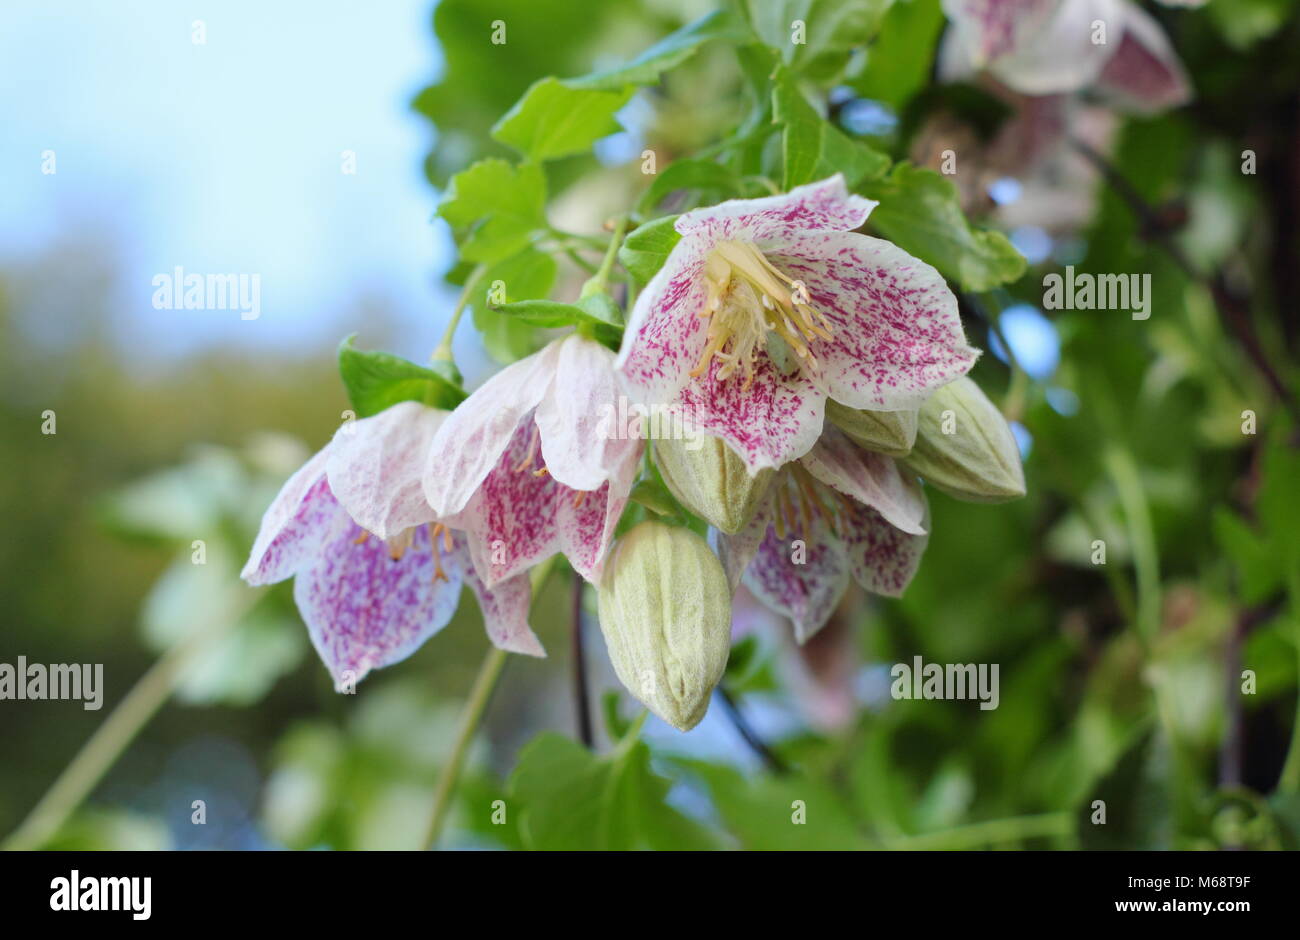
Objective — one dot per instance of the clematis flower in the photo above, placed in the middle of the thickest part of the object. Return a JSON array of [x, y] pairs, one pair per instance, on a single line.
[[527, 465], [375, 574], [1046, 47], [768, 307], [839, 512]]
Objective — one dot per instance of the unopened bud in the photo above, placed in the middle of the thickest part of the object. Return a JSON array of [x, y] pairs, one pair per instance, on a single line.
[[711, 480], [886, 432], [665, 611], [965, 447]]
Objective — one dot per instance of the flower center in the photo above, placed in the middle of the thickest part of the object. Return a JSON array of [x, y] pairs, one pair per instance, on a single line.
[[749, 298], [799, 501]]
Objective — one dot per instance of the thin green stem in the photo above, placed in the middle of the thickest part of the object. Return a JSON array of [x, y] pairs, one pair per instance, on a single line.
[[1289, 781], [600, 279], [443, 351], [1124, 473], [119, 729], [992, 832], [475, 706], [471, 716]]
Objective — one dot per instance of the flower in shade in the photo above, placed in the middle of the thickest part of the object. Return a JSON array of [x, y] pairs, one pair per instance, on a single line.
[[527, 466], [768, 307], [375, 573], [1047, 47], [839, 512]]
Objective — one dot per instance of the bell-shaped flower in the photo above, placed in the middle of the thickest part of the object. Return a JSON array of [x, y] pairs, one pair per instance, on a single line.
[[375, 574], [531, 463], [839, 512], [768, 307], [1047, 47]]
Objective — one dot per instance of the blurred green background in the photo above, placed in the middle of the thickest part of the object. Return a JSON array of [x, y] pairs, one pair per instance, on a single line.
[[1120, 681]]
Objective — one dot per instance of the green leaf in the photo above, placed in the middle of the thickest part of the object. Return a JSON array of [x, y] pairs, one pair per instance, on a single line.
[[704, 175], [596, 310], [1138, 804], [554, 119], [498, 206], [813, 148], [899, 60], [527, 274], [647, 246], [831, 29], [654, 496], [572, 800], [378, 380], [668, 53], [920, 213]]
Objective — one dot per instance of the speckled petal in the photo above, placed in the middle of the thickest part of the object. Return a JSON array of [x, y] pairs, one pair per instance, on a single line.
[[363, 609], [376, 464], [1145, 74], [868, 477], [804, 583], [882, 559], [1061, 56], [825, 205], [472, 438], [505, 607], [520, 516], [581, 443], [992, 28], [294, 525], [896, 332]]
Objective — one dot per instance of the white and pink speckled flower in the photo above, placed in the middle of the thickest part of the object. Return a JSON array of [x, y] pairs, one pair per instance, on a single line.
[[375, 574], [767, 307], [1047, 47], [526, 467], [839, 512]]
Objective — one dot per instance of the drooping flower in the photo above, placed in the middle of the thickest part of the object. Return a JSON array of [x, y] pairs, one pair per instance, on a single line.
[[375, 574], [528, 467], [1048, 47], [839, 512], [768, 307]]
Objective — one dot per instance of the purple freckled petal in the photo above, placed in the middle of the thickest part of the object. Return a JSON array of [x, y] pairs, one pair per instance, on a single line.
[[992, 28], [896, 334], [802, 581], [822, 206], [870, 478], [299, 517], [471, 440], [364, 610], [505, 607], [375, 466], [883, 559], [1144, 74]]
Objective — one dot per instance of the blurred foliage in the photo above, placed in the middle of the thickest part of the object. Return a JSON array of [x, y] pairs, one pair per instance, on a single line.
[[1121, 682]]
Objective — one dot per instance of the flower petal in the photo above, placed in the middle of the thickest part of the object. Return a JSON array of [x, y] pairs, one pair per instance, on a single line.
[[580, 447], [1145, 75], [521, 516], [376, 464], [825, 205], [1061, 55], [471, 440], [896, 332], [992, 28], [298, 519], [882, 558], [870, 478], [505, 609], [363, 609], [802, 576]]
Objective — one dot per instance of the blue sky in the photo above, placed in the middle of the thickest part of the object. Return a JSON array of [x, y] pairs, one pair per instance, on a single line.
[[225, 158]]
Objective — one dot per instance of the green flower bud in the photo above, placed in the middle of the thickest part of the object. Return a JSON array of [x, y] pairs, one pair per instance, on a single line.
[[886, 432], [665, 610], [711, 480], [965, 447]]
